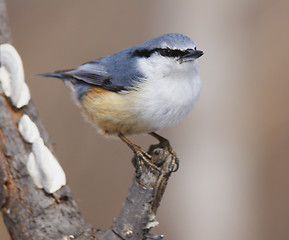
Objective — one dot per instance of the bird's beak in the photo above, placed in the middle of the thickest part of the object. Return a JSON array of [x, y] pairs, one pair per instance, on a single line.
[[192, 55]]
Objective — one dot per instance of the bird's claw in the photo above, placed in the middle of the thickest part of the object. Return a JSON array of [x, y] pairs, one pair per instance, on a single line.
[[164, 143], [143, 158]]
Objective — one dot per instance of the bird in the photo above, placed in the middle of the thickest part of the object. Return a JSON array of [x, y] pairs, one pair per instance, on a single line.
[[138, 90]]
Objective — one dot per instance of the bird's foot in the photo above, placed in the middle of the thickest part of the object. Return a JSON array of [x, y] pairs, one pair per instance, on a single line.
[[142, 158], [164, 143]]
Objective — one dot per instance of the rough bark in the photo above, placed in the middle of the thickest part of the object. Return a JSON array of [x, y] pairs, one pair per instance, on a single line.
[[31, 213]]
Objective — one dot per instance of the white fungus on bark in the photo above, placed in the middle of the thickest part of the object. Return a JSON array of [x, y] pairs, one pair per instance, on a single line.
[[28, 129], [12, 76], [42, 166], [44, 169]]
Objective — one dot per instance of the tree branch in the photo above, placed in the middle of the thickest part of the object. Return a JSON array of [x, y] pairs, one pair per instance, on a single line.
[[31, 213]]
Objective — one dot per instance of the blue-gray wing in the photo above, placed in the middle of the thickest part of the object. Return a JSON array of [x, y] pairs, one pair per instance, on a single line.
[[93, 74], [115, 73]]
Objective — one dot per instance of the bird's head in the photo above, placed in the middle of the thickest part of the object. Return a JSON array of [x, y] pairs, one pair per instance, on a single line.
[[168, 54]]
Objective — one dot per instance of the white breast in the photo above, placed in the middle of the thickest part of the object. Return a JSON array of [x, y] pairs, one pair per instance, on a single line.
[[168, 93]]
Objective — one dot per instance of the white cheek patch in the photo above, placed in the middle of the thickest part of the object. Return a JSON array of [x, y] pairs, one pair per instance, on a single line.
[[155, 66], [42, 166], [12, 76]]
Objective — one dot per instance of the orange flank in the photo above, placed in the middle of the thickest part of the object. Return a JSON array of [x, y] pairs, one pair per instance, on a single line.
[[112, 112]]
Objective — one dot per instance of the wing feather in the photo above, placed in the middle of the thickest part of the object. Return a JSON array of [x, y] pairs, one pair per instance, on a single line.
[[91, 73]]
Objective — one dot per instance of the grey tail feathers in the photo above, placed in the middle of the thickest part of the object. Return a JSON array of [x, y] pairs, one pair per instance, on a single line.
[[59, 74]]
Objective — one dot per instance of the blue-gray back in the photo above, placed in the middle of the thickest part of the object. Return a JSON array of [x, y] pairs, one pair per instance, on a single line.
[[119, 71]]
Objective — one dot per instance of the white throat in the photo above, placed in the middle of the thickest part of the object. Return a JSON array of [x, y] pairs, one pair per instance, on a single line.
[[169, 91]]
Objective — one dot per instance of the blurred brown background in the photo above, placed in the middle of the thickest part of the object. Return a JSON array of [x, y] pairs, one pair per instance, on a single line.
[[233, 182]]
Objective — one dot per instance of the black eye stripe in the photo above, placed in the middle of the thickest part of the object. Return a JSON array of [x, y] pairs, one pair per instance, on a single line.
[[142, 53], [162, 51]]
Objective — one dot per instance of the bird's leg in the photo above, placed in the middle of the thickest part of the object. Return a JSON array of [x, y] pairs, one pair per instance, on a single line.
[[140, 153], [165, 143]]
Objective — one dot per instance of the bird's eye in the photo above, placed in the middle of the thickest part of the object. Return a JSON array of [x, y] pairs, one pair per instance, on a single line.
[[174, 53], [195, 48], [165, 52], [187, 51]]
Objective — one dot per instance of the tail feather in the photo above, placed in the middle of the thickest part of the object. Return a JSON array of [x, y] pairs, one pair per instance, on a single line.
[[60, 75]]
